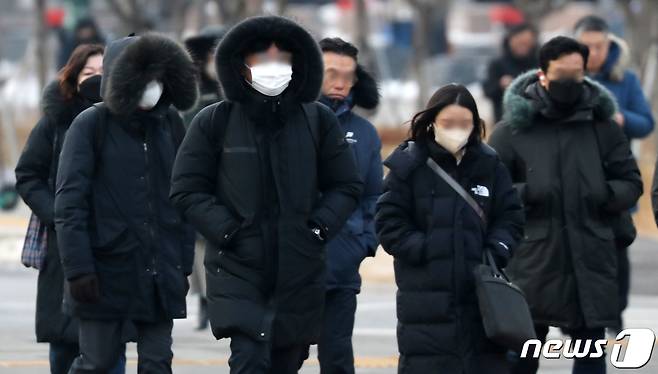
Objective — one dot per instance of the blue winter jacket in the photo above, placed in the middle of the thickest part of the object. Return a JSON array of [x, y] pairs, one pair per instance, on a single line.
[[624, 84], [357, 239]]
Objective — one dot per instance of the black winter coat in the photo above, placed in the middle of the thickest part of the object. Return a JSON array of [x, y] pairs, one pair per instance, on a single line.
[[437, 239], [35, 182], [113, 215], [505, 64], [575, 173], [251, 175]]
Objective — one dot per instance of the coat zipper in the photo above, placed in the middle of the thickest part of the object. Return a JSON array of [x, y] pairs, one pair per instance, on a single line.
[[150, 207]]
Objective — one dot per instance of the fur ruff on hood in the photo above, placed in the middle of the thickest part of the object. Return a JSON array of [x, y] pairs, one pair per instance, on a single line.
[[131, 63]]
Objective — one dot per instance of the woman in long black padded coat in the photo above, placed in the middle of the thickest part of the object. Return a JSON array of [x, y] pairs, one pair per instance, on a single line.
[[76, 88], [437, 239]]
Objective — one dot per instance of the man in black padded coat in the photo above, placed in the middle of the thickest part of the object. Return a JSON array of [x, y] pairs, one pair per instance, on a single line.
[[267, 178]]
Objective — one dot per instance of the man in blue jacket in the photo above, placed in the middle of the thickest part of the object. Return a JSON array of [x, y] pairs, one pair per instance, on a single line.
[[346, 84], [608, 61]]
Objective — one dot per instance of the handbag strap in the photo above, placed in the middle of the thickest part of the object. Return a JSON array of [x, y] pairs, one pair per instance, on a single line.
[[487, 257], [458, 188]]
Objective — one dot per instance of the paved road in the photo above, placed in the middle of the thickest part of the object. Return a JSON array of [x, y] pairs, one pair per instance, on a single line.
[[375, 346]]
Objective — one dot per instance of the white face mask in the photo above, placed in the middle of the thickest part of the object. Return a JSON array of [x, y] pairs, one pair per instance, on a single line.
[[151, 96], [271, 78], [452, 140]]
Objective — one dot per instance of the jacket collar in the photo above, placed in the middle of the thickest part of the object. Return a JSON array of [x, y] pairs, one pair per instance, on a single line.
[[525, 99], [617, 61]]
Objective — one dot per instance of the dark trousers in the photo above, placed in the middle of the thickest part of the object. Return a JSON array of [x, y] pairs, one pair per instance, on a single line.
[[623, 282], [250, 356], [62, 355], [529, 365], [335, 351], [102, 343]]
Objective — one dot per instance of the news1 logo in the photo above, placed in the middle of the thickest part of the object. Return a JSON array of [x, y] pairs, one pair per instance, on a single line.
[[631, 349]]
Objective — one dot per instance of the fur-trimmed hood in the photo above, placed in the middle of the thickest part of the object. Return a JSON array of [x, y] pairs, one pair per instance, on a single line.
[[204, 42], [522, 103], [366, 91], [618, 60], [53, 104], [307, 64], [130, 63], [57, 108]]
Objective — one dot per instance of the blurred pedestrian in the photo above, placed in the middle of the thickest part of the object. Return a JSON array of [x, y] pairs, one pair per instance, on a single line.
[[267, 178], [573, 168], [85, 31], [437, 239], [608, 62], [125, 251], [76, 88], [347, 84], [202, 49], [519, 54]]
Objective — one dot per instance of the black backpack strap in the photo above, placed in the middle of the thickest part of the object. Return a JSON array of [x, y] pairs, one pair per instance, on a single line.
[[99, 132], [52, 171], [220, 124], [176, 127], [312, 114]]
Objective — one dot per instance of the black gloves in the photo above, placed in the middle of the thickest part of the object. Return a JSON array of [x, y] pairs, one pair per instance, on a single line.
[[501, 253], [85, 288]]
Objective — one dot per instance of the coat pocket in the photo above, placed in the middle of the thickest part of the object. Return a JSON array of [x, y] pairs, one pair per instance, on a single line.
[[600, 230], [108, 236], [536, 231]]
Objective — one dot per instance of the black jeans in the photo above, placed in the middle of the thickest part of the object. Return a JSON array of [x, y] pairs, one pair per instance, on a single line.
[[249, 356], [102, 344], [335, 351], [529, 365]]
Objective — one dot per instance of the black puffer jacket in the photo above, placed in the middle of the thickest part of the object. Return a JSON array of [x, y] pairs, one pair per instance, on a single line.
[[112, 210], [575, 174], [35, 181], [437, 239], [249, 176]]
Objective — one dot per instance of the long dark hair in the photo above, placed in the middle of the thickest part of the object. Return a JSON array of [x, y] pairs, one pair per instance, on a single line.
[[422, 129], [68, 75]]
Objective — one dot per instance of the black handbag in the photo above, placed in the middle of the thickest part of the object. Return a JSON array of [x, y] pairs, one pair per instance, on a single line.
[[505, 313]]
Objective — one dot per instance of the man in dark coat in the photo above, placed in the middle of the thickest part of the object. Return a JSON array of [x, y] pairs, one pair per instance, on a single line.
[[125, 251], [347, 84], [574, 171], [85, 31], [267, 178], [202, 49], [608, 64], [518, 56]]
